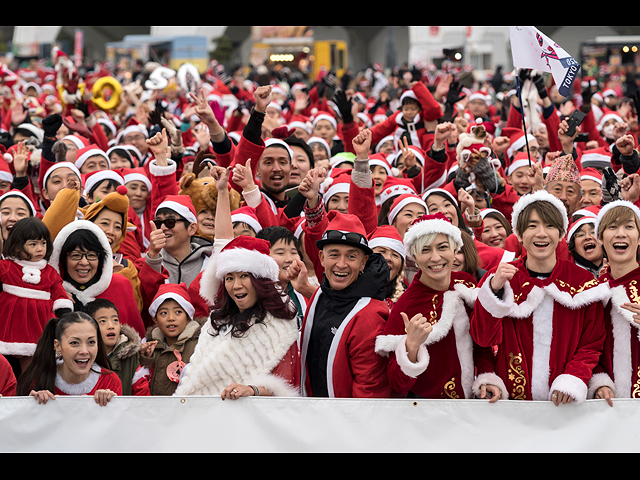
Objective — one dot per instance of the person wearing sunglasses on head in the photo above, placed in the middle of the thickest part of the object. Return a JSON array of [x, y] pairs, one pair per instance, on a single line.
[[345, 315]]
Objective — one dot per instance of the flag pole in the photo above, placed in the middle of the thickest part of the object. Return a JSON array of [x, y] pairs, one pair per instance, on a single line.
[[524, 126]]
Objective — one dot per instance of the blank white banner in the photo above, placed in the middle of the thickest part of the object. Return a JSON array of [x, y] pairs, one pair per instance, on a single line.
[[262, 424]]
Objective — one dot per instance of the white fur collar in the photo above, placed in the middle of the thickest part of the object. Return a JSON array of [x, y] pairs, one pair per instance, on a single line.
[[31, 271], [79, 388]]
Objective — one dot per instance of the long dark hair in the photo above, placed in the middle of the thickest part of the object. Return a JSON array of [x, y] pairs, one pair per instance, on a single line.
[[25, 229], [41, 372], [272, 298]]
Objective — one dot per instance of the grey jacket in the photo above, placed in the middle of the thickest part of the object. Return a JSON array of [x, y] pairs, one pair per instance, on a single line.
[[187, 270]]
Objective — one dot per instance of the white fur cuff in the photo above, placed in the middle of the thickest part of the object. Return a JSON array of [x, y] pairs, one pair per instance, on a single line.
[[570, 385], [600, 380], [62, 303], [492, 304], [276, 385], [490, 379], [161, 171], [407, 366]]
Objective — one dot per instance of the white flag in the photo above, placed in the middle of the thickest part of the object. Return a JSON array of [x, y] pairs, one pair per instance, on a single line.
[[531, 48]]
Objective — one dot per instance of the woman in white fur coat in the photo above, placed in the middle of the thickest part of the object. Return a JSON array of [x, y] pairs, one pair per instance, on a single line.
[[249, 346]]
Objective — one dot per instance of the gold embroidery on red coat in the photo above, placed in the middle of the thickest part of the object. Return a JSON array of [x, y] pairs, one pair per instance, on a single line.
[[516, 298], [450, 389], [433, 315], [516, 377], [582, 288], [633, 291], [636, 387]]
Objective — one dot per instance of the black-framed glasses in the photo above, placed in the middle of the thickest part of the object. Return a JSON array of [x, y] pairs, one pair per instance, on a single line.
[[168, 222], [77, 256], [348, 236]]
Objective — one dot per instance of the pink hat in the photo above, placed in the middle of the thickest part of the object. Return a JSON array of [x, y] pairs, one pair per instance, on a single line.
[[172, 291], [242, 254], [563, 169], [247, 215], [182, 205]]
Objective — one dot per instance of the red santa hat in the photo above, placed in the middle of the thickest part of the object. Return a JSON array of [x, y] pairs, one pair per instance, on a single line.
[[270, 142], [78, 140], [381, 160], [402, 201], [344, 229], [520, 160], [92, 179], [441, 191], [428, 224], [394, 186], [573, 228], [137, 174], [388, 138], [591, 174], [608, 115], [338, 182], [325, 116], [242, 254], [321, 141], [387, 236], [247, 215], [182, 205], [17, 193], [596, 158], [517, 139], [5, 171], [172, 291], [616, 203], [58, 165], [590, 211], [90, 151], [538, 196]]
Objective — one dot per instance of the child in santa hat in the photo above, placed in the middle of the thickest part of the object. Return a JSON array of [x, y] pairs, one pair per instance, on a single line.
[[171, 341]]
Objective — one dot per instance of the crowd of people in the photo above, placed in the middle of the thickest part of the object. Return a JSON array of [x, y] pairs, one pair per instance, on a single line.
[[419, 233]]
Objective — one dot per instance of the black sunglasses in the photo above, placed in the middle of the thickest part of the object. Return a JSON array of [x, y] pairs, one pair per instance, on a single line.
[[348, 236], [168, 222]]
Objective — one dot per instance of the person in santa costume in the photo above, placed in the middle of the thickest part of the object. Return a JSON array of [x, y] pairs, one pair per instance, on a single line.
[[32, 290], [345, 315], [426, 338], [543, 313], [249, 344], [618, 231], [583, 246], [59, 367]]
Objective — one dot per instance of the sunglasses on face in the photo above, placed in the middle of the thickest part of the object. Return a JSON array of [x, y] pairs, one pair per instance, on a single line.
[[168, 222]]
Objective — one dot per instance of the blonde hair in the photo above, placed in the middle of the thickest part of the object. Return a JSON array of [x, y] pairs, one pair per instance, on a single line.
[[616, 216], [428, 239]]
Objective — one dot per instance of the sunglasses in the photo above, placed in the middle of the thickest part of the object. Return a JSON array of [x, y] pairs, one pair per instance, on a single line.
[[168, 222], [348, 236]]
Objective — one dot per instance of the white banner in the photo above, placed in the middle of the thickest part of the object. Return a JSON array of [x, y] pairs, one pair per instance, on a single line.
[[262, 424], [533, 49]]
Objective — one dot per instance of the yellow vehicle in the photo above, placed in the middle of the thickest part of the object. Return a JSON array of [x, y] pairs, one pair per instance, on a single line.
[[309, 56]]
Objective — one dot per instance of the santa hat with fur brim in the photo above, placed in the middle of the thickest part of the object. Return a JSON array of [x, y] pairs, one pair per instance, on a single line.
[[172, 291], [182, 205], [428, 224], [616, 203], [242, 254], [539, 196], [90, 151]]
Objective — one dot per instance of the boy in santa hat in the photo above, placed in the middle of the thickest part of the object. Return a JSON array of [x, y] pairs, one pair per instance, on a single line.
[[543, 313]]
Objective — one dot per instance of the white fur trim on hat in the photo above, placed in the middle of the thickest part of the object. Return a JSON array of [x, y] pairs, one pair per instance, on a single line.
[[139, 177], [183, 302], [577, 224], [425, 227], [180, 209], [610, 205], [403, 203], [449, 195], [75, 140], [382, 163], [17, 193], [336, 187], [518, 164], [539, 196], [248, 219], [37, 131], [91, 153], [235, 260], [329, 118], [519, 143], [270, 142], [55, 166], [383, 141], [392, 243], [96, 178]]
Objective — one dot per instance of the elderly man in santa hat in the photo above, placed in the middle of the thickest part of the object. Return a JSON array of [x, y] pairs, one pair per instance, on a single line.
[[344, 317]]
